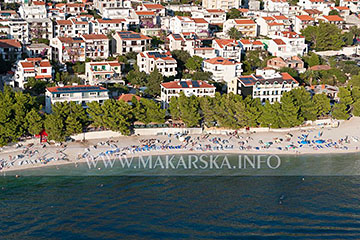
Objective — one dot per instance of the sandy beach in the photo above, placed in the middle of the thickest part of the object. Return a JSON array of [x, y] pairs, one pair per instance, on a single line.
[[319, 140]]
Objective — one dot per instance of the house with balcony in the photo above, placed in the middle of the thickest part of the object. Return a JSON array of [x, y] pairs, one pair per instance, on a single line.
[[282, 6], [247, 27], [251, 45], [265, 84], [40, 28], [18, 29], [31, 68], [221, 4], [188, 87], [157, 8], [80, 94], [183, 41], [10, 49], [179, 24], [103, 72], [227, 48], [320, 5], [272, 24], [71, 28], [129, 41], [333, 19], [212, 16], [66, 49], [36, 9], [353, 5], [106, 26], [222, 69], [287, 44], [148, 19], [75, 8], [36, 50], [302, 21], [293, 62], [96, 46], [163, 61]]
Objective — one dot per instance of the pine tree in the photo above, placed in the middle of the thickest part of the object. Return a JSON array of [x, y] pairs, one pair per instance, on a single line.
[[288, 114], [153, 83], [302, 99], [34, 122], [339, 111], [54, 127], [356, 108], [322, 104]]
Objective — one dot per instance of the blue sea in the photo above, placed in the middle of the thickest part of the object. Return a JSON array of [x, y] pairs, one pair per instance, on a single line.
[[111, 204]]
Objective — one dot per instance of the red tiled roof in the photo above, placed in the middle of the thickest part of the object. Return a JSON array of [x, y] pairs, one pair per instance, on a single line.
[[43, 76], [176, 84], [145, 13], [280, 17], [94, 36], [118, 20], [215, 11], [220, 61], [64, 22], [38, 3], [225, 42], [45, 64], [130, 35], [244, 21], [27, 64], [279, 41], [334, 18], [305, 18], [58, 89], [320, 67], [154, 6], [128, 97], [199, 20], [8, 43]]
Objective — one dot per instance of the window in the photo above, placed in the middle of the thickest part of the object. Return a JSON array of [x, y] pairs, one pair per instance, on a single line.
[[43, 70]]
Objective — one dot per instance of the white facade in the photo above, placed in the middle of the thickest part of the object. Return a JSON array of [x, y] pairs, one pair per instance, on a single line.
[[272, 24], [81, 94], [40, 28], [221, 4], [212, 16], [106, 26], [251, 45], [287, 44], [267, 85], [247, 27], [102, 72], [183, 41], [320, 5], [71, 28], [163, 61], [189, 88], [281, 6], [223, 70], [31, 68], [65, 49], [96, 46], [128, 41], [18, 29], [36, 10], [227, 48], [180, 24], [353, 5], [302, 21]]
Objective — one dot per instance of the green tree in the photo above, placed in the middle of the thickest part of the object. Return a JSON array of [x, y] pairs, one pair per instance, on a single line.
[[194, 63], [334, 12], [312, 59], [356, 108], [233, 33], [153, 83], [269, 116], [233, 14], [339, 111], [34, 122], [302, 99], [148, 111], [189, 108], [345, 96], [355, 81], [54, 127], [136, 77], [207, 106], [288, 115], [324, 37], [174, 108], [322, 104], [290, 71]]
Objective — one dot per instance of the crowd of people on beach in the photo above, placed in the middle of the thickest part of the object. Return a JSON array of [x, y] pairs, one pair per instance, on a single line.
[[34, 154]]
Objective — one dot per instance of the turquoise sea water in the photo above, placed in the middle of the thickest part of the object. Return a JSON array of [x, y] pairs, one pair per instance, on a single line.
[[80, 206]]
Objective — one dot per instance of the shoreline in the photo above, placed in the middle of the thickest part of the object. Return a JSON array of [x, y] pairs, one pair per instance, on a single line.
[[341, 140]]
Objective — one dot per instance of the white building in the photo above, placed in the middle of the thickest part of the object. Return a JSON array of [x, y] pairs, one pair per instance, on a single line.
[[128, 41], [222, 69], [183, 41], [163, 61], [320, 5], [18, 29], [212, 16], [66, 49], [102, 72], [221, 4], [71, 28], [81, 94], [157, 8], [353, 5], [31, 68], [96, 46], [287, 44], [227, 48], [302, 21], [40, 28], [10, 49], [189, 88], [246, 27], [268, 85], [272, 24], [251, 45], [38, 50], [281, 6], [180, 24], [106, 26], [36, 10]]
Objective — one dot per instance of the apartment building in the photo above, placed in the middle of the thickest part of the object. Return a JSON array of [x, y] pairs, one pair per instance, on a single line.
[[183, 41], [277, 6], [159, 9], [251, 45], [10, 49], [80, 94], [148, 19], [179, 24], [302, 21], [36, 50], [246, 27], [212, 16], [221, 4], [188, 87], [40, 28], [163, 61], [31, 68], [96, 46], [129, 41], [102, 72], [287, 44], [106, 26], [353, 5], [222, 69], [67, 49], [272, 24], [18, 29], [265, 84], [37, 9], [71, 28], [101, 5], [75, 8], [293, 62], [227, 48], [8, 14], [333, 19], [320, 5]]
